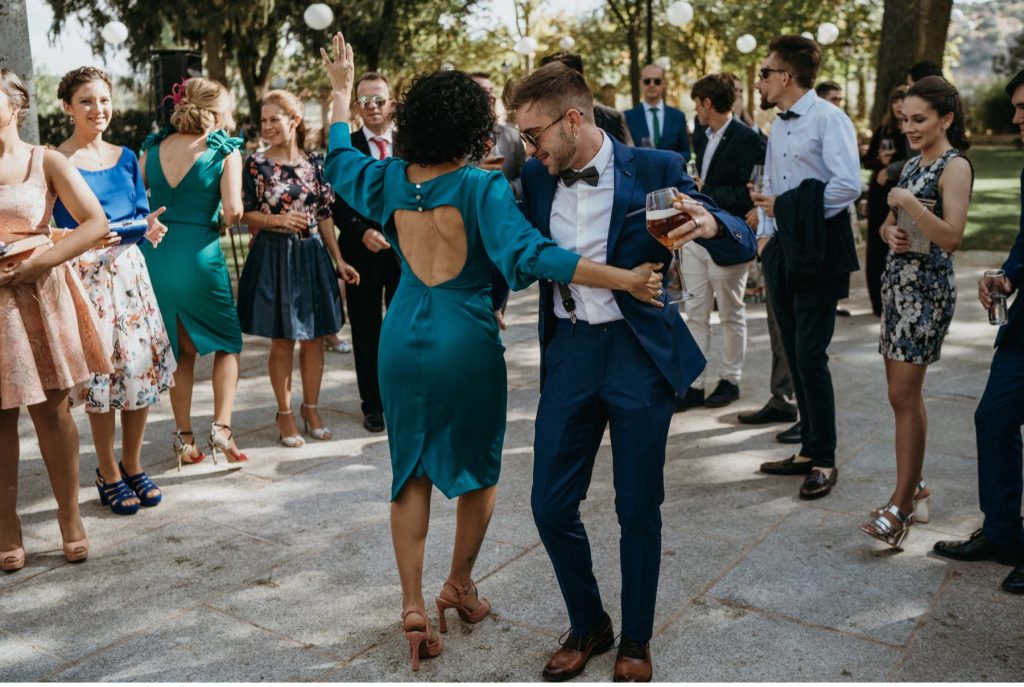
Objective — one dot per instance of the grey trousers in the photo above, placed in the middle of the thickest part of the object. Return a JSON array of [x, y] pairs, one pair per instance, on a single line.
[[783, 395]]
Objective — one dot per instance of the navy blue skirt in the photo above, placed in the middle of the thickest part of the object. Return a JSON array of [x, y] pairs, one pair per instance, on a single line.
[[288, 289]]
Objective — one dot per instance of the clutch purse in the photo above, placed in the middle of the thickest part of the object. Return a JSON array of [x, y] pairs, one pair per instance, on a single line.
[[130, 231], [919, 243], [18, 251]]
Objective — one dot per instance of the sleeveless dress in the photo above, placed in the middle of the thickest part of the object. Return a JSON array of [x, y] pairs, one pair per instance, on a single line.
[[918, 291], [288, 288], [188, 271], [49, 336], [442, 365], [118, 285]]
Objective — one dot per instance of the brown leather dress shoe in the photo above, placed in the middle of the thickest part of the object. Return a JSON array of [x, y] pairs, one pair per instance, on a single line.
[[633, 662], [571, 658]]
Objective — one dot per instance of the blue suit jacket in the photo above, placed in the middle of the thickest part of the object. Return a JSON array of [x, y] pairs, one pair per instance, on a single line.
[[1014, 268], [638, 171], [674, 135]]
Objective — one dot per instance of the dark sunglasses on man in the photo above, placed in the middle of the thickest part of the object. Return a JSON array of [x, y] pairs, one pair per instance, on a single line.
[[648, 82], [767, 72], [534, 139]]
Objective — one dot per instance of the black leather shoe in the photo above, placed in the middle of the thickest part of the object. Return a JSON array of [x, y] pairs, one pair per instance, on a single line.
[[724, 394], [977, 548], [1014, 582], [767, 415], [633, 662], [571, 658], [374, 422], [789, 466], [694, 398], [791, 435], [816, 485]]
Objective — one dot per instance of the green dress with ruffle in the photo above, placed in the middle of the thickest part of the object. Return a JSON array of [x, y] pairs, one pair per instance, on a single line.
[[188, 271]]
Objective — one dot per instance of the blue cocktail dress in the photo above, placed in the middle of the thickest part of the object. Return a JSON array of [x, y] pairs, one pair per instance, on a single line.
[[442, 365]]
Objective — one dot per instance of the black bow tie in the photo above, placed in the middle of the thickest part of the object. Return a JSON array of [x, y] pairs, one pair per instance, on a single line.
[[587, 176], [786, 116]]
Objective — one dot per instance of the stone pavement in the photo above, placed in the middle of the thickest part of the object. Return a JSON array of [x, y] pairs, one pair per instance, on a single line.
[[283, 570]]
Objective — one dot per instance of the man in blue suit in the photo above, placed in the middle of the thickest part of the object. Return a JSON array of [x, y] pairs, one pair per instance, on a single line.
[[606, 361], [1000, 415], [653, 121]]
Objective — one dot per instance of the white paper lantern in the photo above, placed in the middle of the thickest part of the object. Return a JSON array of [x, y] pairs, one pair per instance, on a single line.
[[746, 43], [527, 45], [114, 32], [567, 43], [828, 33], [447, 67], [446, 21], [808, 35], [664, 63], [679, 13], [318, 16]]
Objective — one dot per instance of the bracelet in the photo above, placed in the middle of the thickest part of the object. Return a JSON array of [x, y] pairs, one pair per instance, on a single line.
[[918, 218]]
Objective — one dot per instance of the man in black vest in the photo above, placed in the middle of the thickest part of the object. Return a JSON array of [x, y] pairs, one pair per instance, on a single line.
[[364, 247]]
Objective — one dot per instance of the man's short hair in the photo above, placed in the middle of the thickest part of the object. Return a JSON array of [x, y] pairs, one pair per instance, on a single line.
[[569, 59], [923, 69], [555, 88], [1015, 83], [479, 75], [826, 87], [371, 76], [718, 88], [802, 57]]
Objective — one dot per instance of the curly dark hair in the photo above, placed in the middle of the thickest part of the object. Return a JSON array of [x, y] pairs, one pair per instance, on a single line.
[[443, 116]]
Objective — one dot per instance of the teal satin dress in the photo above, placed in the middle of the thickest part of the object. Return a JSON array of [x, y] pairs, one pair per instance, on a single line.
[[188, 271], [442, 364]]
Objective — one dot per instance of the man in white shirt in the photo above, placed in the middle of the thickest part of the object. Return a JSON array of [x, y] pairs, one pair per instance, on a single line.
[[364, 247], [811, 140], [726, 155]]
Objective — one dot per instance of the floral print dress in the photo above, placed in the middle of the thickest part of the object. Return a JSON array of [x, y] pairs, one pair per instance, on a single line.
[[918, 291]]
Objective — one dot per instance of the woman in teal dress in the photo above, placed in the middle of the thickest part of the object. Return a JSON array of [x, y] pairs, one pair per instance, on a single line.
[[442, 367], [195, 171]]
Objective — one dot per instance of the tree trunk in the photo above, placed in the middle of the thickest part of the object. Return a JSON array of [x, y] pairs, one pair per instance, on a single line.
[[912, 30], [634, 63], [216, 64], [16, 55]]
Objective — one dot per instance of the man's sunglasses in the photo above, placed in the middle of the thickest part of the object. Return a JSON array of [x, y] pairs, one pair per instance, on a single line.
[[648, 82], [767, 71], [534, 139], [365, 100]]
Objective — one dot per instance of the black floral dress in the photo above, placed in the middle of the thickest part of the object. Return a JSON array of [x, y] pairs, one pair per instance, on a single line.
[[918, 291], [288, 288]]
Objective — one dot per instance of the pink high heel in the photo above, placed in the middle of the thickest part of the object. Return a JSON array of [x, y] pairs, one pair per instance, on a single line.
[[13, 560], [469, 616], [75, 551], [420, 644]]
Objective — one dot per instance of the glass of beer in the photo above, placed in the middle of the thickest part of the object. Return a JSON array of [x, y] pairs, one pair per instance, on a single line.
[[663, 217], [996, 311], [757, 178]]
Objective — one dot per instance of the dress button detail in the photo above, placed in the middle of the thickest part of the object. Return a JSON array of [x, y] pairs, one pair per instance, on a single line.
[[419, 186], [419, 197], [420, 208]]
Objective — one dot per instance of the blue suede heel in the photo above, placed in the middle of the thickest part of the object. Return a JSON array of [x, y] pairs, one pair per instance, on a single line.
[[141, 484], [115, 495]]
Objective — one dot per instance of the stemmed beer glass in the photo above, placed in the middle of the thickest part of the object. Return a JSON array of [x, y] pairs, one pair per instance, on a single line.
[[663, 217]]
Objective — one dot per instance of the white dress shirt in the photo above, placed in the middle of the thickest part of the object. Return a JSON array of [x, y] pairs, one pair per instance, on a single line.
[[660, 107], [386, 137], [580, 221], [714, 138], [819, 144]]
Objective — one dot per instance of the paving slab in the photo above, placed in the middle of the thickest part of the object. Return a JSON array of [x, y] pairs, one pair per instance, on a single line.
[[21, 661]]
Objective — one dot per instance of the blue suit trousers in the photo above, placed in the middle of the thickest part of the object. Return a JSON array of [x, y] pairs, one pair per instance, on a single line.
[[997, 424], [596, 377]]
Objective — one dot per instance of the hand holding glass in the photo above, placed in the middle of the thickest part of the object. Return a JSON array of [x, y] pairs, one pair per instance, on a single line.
[[662, 218]]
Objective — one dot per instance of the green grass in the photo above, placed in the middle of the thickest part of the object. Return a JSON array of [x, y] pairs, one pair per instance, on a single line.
[[994, 217]]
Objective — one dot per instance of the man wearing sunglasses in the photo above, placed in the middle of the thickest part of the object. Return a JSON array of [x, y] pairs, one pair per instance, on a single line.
[[605, 362], [807, 257], [652, 123], [364, 247]]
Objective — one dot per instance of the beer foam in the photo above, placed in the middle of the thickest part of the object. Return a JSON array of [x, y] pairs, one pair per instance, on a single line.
[[663, 214]]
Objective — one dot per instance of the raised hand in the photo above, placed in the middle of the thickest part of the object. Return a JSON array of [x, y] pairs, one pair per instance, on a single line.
[[340, 66], [156, 230]]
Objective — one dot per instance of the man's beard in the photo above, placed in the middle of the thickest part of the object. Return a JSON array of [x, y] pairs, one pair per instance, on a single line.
[[766, 104]]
